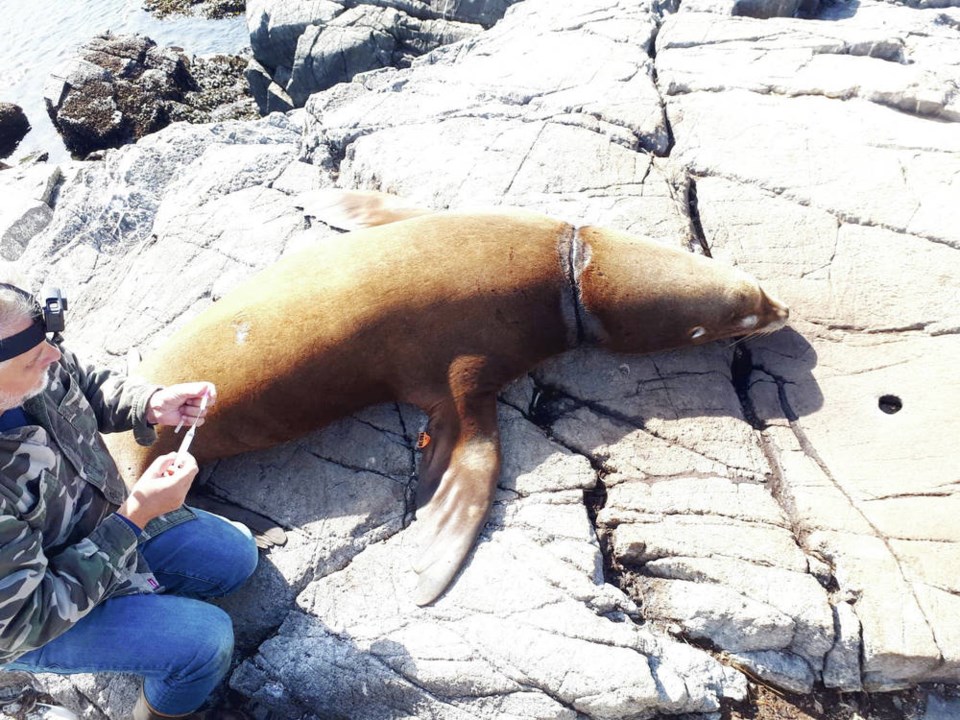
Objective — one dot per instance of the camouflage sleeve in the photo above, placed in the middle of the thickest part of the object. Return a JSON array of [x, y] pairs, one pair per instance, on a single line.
[[120, 403], [42, 596]]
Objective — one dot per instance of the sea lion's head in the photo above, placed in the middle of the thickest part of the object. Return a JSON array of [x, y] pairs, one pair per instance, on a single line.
[[645, 297]]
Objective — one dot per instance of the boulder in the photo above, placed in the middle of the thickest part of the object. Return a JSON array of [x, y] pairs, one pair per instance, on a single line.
[[13, 127], [120, 88], [302, 47]]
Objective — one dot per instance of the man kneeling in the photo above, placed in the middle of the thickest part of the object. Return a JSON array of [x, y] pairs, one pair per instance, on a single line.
[[93, 579]]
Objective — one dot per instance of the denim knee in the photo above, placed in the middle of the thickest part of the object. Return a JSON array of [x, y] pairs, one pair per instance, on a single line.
[[207, 557], [245, 560], [201, 663]]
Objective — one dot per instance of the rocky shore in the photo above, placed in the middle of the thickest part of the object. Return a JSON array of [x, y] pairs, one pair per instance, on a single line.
[[207, 8], [668, 529]]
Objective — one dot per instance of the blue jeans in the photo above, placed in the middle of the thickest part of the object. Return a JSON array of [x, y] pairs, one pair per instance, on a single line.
[[181, 645]]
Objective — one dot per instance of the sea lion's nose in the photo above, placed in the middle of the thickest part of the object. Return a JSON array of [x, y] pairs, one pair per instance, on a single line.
[[779, 309]]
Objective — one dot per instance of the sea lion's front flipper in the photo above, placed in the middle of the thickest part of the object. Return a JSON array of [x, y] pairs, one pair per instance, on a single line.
[[458, 480], [357, 209]]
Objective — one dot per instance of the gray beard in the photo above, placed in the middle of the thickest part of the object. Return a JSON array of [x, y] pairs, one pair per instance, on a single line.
[[8, 401]]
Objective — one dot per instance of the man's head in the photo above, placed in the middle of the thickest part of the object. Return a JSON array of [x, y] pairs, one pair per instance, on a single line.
[[25, 374]]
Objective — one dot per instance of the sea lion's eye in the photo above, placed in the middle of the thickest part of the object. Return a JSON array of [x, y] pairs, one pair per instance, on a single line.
[[697, 332], [749, 321]]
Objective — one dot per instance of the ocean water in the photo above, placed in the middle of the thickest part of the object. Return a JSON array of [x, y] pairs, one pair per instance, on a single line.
[[41, 34]]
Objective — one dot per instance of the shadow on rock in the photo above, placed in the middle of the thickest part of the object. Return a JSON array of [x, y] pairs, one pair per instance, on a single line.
[[680, 387]]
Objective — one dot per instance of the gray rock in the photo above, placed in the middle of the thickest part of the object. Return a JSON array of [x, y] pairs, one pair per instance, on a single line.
[[782, 670], [303, 47], [707, 611], [795, 595], [276, 26], [760, 9], [269, 96], [26, 210], [861, 346], [939, 707], [841, 668], [362, 39]]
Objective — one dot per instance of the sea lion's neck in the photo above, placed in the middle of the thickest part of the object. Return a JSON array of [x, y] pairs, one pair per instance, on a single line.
[[583, 327]]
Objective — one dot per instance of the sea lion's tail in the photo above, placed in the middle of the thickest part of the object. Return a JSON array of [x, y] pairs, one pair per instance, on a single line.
[[357, 209]]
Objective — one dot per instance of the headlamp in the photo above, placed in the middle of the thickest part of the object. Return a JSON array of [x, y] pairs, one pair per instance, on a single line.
[[47, 319]]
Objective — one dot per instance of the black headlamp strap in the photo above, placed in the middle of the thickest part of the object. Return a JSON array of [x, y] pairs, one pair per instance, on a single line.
[[24, 340]]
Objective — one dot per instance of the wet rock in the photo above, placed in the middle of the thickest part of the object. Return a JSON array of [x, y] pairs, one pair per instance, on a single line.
[[218, 91], [121, 88], [207, 8], [114, 93], [13, 127]]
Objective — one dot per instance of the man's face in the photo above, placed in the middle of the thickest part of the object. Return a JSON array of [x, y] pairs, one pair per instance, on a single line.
[[26, 374]]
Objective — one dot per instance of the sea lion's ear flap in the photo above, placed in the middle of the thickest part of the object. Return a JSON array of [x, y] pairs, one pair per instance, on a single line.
[[458, 478], [356, 209]]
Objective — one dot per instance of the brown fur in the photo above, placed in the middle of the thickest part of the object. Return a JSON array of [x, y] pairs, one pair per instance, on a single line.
[[438, 311]]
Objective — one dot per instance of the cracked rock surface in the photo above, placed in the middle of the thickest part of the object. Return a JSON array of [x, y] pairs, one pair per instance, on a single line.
[[783, 507]]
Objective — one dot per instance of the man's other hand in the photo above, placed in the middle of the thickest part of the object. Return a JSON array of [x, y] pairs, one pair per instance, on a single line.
[[161, 489]]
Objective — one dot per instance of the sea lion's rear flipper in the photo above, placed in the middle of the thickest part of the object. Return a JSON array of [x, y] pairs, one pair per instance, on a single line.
[[458, 479], [357, 209]]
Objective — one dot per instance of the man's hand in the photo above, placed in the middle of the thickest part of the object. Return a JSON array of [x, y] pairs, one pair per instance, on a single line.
[[180, 403], [161, 489]]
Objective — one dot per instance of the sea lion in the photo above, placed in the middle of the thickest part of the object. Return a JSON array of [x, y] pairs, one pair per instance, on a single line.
[[439, 310]]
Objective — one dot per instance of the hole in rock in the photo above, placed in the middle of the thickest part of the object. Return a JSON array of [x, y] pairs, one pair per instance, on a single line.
[[890, 404]]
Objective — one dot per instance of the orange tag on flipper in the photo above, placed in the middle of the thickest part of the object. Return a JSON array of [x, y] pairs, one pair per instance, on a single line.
[[422, 440]]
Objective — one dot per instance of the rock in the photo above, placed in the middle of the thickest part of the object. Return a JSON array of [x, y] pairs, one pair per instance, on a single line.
[[218, 91], [760, 9], [795, 595], [362, 39], [334, 43], [208, 8], [276, 26], [121, 88], [303, 47], [940, 707], [269, 96], [785, 671], [842, 665], [13, 127], [846, 496], [712, 612], [789, 499], [28, 193], [114, 92]]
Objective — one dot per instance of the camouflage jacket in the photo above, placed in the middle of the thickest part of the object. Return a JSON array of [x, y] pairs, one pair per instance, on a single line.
[[63, 549]]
